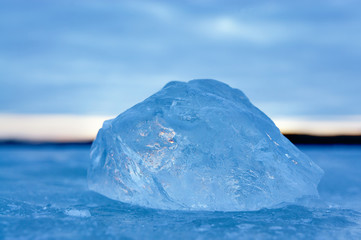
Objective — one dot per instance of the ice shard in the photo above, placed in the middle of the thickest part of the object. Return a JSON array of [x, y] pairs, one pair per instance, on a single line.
[[199, 145]]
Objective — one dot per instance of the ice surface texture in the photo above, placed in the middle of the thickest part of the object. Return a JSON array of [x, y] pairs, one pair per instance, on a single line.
[[199, 145]]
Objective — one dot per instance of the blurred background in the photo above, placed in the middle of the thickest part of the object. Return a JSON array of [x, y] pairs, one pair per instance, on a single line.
[[66, 66]]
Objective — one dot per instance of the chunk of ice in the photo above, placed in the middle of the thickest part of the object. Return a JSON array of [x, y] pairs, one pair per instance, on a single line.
[[199, 145]]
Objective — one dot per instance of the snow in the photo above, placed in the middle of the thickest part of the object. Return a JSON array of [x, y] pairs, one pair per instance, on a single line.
[[38, 184], [77, 213], [199, 145]]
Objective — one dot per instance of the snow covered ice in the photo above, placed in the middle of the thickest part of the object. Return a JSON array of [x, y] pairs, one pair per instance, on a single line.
[[199, 145]]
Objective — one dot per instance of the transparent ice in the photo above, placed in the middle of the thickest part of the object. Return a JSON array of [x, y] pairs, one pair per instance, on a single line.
[[199, 145]]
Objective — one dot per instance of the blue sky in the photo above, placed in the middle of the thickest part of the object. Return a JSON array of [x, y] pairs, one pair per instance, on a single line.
[[291, 58]]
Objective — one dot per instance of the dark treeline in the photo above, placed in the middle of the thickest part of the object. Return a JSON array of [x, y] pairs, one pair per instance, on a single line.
[[294, 138], [310, 139], [45, 143]]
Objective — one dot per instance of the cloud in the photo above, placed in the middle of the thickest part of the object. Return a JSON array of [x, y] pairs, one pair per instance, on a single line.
[[158, 10], [101, 57], [228, 28]]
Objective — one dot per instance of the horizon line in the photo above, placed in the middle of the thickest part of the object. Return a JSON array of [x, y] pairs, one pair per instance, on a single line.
[[80, 128], [294, 138]]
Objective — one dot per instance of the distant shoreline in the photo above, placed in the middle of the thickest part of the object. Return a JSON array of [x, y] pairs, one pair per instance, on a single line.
[[324, 140], [294, 138], [11, 142]]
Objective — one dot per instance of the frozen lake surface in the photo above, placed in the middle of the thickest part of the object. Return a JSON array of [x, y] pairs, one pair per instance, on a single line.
[[43, 195]]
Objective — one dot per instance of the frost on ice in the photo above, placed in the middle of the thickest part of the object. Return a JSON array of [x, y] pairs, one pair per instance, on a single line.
[[199, 145]]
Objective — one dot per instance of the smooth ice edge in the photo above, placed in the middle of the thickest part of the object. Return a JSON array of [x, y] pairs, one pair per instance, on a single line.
[[199, 145]]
